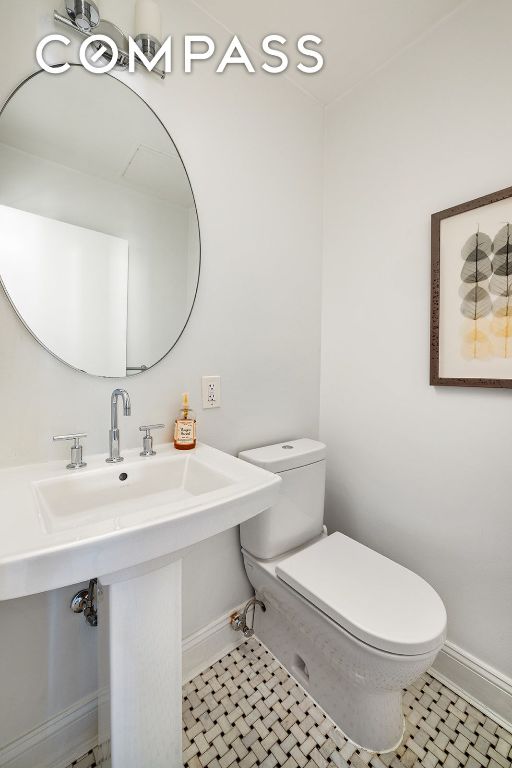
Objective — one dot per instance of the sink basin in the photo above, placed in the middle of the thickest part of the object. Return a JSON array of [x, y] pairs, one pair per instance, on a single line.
[[151, 488], [59, 527]]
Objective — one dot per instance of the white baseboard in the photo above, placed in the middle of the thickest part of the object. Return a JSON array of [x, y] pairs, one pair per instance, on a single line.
[[485, 687], [57, 742], [208, 645], [72, 733]]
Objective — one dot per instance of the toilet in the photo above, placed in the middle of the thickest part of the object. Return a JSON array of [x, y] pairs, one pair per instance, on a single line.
[[353, 627]]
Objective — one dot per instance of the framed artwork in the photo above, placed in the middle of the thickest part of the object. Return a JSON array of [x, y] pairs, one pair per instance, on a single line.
[[471, 320]]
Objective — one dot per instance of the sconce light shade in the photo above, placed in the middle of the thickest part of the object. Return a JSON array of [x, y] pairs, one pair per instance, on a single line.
[[83, 13], [147, 19]]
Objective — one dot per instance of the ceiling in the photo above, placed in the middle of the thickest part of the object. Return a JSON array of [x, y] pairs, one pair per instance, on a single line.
[[360, 36]]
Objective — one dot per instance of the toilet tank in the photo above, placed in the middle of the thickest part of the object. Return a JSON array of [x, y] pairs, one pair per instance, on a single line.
[[298, 515]]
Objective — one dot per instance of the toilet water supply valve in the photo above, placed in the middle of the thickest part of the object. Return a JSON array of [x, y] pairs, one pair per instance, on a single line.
[[85, 601], [239, 620]]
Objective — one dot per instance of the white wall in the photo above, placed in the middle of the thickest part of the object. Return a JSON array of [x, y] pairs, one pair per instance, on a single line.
[[420, 474], [252, 146]]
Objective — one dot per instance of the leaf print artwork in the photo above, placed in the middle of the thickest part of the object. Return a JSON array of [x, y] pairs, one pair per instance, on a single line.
[[476, 302], [471, 293], [500, 286]]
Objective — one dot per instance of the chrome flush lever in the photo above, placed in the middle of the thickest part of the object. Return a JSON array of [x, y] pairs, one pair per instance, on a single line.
[[147, 440], [76, 450]]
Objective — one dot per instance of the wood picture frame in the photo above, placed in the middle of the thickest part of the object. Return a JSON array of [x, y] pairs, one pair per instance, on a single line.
[[484, 275]]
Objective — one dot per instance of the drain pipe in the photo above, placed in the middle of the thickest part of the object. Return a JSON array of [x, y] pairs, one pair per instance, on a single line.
[[239, 620]]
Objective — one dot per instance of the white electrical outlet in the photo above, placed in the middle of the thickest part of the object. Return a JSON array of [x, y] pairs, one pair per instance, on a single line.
[[211, 391]]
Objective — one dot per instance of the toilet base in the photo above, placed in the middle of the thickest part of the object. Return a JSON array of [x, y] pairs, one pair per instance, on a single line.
[[359, 687], [372, 722]]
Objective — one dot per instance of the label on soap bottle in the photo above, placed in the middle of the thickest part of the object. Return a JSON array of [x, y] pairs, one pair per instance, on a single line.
[[185, 431]]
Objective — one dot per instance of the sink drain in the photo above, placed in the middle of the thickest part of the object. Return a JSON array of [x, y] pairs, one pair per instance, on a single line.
[[123, 476]]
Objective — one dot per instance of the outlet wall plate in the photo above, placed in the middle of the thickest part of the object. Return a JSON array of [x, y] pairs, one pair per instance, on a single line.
[[211, 391]]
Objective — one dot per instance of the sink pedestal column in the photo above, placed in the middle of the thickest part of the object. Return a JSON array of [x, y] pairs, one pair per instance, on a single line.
[[140, 708]]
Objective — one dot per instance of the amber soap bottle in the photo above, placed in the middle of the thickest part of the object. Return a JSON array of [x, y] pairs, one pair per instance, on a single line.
[[185, 427]]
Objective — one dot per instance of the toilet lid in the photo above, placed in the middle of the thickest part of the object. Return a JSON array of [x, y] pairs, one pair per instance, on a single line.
[[375, 599]]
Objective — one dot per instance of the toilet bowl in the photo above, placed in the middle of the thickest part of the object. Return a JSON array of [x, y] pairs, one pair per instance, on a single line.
[[353, 627]]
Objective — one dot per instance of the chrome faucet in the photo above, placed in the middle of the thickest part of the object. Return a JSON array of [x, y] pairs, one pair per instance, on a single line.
[[113, 435]]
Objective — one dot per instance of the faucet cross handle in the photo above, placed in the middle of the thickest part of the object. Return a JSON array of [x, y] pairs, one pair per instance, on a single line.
[[147, 440], [76, 449]]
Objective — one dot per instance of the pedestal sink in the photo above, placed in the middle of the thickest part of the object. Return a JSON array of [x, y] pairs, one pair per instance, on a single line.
[[127, 524]]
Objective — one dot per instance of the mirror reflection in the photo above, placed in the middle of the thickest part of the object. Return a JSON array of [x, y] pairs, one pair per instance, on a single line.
[[100, 247]]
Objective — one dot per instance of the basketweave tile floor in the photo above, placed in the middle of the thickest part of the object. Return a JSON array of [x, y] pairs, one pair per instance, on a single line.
[[246, 710]]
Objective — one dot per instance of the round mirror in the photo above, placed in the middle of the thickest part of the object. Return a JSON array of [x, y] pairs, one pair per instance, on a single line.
[[99, 246]]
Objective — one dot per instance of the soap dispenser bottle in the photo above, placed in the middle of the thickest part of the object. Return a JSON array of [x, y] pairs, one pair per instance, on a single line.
[[185, 427]]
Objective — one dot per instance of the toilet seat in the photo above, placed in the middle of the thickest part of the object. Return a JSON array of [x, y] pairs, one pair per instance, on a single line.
[[375, 599]]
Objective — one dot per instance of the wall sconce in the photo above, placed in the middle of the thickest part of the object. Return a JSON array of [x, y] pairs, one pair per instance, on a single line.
[[84, 17], [148, 27]]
